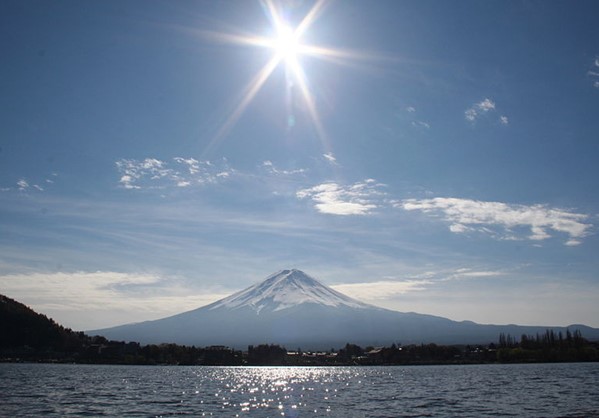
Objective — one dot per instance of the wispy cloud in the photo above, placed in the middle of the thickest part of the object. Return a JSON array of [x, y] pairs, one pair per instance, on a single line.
[[330, 158], [414, 119], [22, 184], [594, 73], [193, 165], [133, 171], [539, 300], [420, 124], [381, 290], [467, 215], [481, 108], [390, 288], [273, 170], [334, 199], [477, 109], [103, 298], [467, 273], [183, 172]]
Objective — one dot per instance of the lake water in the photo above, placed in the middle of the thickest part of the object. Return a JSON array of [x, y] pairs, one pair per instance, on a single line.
[[536, 390]]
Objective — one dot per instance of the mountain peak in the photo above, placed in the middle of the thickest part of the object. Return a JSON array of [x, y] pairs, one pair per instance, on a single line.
[[285, 289]]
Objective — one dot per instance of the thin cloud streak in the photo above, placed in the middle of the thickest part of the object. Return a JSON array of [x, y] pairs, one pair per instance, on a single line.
[[594, 73], [273, 170], [330, 158], [381, 290], [389, 289]]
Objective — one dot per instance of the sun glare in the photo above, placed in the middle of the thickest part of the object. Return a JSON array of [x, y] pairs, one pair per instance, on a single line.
[[287, 44], [287, 49]]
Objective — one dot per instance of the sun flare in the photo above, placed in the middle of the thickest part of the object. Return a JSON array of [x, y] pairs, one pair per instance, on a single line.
[[287, 49], [287, 44]]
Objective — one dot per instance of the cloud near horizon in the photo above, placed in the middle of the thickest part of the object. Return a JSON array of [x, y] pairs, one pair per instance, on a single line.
[[381, 290], [390, 288], [331, 198], [467, 215], [103, 298]]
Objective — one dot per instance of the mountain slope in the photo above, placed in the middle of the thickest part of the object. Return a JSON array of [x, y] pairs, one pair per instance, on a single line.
[[20, 326], [295, 310]]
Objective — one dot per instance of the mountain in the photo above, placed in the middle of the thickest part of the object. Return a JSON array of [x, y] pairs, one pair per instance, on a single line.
[[292, 309]]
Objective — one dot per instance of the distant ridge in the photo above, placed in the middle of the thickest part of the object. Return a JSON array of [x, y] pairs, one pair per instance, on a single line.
[[294, 309]]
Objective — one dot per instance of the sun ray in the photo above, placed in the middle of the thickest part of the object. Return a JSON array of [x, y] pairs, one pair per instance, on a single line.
[[310, 17], [300, 77], [250, 91], [235, 38]]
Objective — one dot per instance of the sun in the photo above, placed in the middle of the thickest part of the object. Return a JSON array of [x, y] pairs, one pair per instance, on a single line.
[[287, 45], [287, 49]]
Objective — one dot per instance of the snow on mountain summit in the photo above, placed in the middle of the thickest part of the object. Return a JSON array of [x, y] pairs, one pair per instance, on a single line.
[[285, 289]]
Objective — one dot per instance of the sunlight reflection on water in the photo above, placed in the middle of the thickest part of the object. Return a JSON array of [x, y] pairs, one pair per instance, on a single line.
[[287, 390]]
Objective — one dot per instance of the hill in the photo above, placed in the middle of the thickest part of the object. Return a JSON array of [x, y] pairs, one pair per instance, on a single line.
[[21, 327]]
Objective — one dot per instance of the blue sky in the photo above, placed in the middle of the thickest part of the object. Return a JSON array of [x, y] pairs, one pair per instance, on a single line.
[[427, 156]]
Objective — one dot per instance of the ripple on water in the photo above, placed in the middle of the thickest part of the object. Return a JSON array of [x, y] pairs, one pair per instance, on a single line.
[[417, 391]]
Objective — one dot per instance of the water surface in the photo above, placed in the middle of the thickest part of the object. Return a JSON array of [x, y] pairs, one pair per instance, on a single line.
[[535, 390]]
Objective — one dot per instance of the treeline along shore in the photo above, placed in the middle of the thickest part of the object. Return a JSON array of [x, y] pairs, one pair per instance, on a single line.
[[26, 336]]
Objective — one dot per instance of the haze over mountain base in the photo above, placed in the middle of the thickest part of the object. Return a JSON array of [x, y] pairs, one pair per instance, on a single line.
[[292, 309]]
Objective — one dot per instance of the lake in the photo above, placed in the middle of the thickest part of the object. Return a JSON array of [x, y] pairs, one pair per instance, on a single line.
[[535, 390]]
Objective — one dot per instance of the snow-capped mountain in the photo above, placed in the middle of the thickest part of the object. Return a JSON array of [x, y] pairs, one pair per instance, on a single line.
[[293, 309], [286, 289]]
